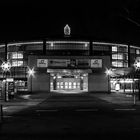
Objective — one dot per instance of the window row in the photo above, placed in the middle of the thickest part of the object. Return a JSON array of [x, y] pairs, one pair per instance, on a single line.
[[119, 64], [120, 56]]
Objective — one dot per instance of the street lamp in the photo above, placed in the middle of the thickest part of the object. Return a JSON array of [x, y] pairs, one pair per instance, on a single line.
[[6, 66], [108, 73], [31, 73]]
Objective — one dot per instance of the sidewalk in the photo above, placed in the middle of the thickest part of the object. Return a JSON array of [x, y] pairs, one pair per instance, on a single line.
[[117, 98], [22, 102]]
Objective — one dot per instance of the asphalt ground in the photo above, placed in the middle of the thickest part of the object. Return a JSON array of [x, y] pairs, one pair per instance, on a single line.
[[61, 116]]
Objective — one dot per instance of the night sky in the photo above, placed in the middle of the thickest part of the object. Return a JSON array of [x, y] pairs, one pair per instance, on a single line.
[[108, 20]]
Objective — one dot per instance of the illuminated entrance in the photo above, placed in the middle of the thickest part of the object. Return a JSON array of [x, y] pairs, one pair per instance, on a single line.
[[69, 81]]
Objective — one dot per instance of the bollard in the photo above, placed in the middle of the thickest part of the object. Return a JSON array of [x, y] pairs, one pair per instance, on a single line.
[[1, 113]]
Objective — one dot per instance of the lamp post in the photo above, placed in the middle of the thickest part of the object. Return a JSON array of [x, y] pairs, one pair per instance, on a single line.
[[31, 73], [6, 66], [108, 73]]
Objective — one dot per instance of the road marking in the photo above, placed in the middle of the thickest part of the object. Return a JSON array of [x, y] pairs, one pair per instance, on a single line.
[[45, 110], [125, 109], [7, 116], [86, 110]]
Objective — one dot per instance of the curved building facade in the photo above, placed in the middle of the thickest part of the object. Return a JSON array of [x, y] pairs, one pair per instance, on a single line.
[[69, 66]]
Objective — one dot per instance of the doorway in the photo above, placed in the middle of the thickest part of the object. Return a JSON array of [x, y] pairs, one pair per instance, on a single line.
[[71, 83]]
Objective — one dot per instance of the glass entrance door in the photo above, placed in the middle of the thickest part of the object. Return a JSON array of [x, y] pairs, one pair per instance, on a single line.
[[69, 83]]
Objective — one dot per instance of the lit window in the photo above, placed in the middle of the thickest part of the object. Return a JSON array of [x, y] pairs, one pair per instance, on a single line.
[[74, 83], [120, 56], [137, 51], [114, 48], [66, 83], [117, 56], [74, 86], [16, 63], [114, 56], [117, 64], [17, 55], [120, 64], [70, 83]]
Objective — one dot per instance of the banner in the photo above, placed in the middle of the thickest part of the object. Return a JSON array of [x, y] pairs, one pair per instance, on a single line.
[[42, 63], [96, 63], [58, 62]]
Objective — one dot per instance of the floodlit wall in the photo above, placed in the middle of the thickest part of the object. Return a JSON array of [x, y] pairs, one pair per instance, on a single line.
[[97, 83], [41, 79]]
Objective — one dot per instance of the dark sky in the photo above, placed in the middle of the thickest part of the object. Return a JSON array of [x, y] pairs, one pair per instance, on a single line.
[[114, 20]]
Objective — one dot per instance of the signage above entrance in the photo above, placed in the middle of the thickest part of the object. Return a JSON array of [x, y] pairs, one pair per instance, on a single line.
[[69, 63], [58, 62]]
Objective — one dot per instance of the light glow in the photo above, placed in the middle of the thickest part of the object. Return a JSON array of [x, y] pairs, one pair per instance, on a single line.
[[31, 72], [51, 44], [108, 72], [86, 44], [137, 64], [6, 66]]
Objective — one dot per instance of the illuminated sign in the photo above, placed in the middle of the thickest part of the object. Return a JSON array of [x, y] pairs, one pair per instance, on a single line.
[[42, 63], [96, 63]]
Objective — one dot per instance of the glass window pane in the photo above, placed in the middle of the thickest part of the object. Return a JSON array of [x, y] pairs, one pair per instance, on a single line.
[[16, 55], [16, 63], [117, 64], [137, 51], [114, 48]]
